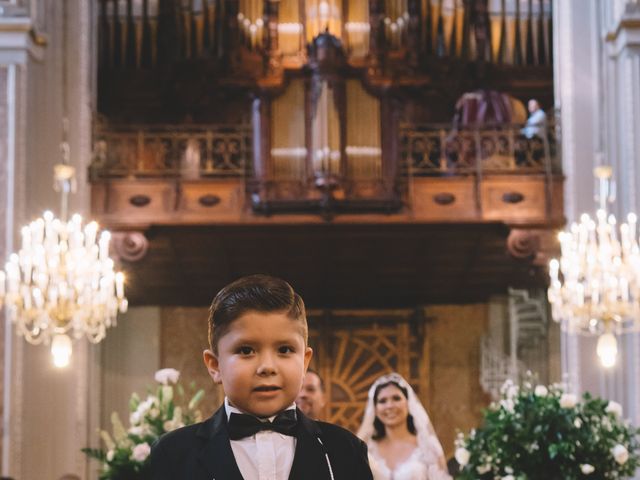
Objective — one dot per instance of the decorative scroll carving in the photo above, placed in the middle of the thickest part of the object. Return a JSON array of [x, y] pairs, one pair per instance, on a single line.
[[351, 357], [523, 244], [130, 246]]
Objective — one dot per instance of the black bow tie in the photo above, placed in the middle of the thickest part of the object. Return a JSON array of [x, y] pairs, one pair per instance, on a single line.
[[242, 425]]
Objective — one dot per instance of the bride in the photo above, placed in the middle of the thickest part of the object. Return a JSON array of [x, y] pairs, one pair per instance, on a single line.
[[396, 428]]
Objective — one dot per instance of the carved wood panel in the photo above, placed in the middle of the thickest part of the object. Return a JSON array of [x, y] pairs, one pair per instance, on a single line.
[[353, 348]]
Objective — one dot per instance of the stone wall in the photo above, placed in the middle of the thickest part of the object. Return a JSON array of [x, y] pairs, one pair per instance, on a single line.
[[183, 339], [456, 397]]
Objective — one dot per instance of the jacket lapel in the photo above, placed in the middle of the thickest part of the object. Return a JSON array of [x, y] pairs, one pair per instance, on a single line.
[[216, 455], [309, 460]]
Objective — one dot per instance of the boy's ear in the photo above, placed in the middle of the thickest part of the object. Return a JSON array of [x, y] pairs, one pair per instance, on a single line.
[[308, 353], [212, 364]]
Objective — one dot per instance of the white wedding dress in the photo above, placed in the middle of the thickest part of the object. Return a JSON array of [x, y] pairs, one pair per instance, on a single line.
[[415, 467], [426, 462]]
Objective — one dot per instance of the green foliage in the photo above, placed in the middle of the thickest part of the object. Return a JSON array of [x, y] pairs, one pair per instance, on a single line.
[[167, 407], [540, 433]]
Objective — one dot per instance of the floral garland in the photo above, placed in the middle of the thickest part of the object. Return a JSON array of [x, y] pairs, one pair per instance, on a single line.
[[545, 433], [127, 450]]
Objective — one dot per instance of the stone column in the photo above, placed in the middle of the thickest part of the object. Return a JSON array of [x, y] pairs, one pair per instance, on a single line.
[[17, 51], [48, 414], [576, 71], [621, 61]]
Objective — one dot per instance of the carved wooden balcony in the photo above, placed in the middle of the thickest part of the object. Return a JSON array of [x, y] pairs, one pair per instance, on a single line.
[[174, 175], [478, 211]]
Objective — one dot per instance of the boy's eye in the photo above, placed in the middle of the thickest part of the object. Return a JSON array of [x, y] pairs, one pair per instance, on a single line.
[[245, 350], [285, 349]]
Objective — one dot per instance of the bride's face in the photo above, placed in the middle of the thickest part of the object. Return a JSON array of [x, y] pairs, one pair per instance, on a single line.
[[392, 407]]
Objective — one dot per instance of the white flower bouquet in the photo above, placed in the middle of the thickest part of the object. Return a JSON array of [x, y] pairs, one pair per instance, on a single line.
[[165, 409], [544, 433]]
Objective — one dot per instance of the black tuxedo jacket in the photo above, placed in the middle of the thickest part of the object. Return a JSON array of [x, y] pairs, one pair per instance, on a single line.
[[203, 452]]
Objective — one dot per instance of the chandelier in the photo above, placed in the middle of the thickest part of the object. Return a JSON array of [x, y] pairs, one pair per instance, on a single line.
[[595, 286], [61, 284]]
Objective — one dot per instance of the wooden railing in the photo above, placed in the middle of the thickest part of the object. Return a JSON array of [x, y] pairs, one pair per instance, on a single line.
[[438, 150], [171, 150], [226, 151]]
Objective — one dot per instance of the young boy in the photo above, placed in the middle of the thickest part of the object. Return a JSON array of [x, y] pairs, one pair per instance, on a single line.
[[259, 353]]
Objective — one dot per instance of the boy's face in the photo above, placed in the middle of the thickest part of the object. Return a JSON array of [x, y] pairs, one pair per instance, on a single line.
[[261, 362]]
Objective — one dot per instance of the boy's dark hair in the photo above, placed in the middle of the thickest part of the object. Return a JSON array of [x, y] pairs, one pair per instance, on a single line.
[[378, 426], [260, 293]]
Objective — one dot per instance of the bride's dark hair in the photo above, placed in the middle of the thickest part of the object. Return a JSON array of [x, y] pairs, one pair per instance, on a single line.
[[379, 431]]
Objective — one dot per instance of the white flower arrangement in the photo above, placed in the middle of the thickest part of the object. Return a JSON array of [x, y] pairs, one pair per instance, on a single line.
[[545, 433], [165, 409]]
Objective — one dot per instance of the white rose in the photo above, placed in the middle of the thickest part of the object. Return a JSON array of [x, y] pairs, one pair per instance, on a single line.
[[620, 454], [462, 456], [568, 400], [505, 386], [586, 468], [615, 408], [140, 452], [577, 423], [110, 455], [144, 407], [166, 376], [541, 391], [482, 469], [508, 405], [135, 417]]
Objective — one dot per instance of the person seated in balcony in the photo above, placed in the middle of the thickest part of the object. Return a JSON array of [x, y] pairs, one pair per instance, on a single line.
[[536, 124], [530, 148]]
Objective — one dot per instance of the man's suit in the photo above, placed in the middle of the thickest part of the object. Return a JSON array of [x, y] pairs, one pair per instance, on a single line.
[[203, 452]]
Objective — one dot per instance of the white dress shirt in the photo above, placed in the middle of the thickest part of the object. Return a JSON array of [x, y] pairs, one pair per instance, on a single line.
[[536, 124], [267, 455]]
